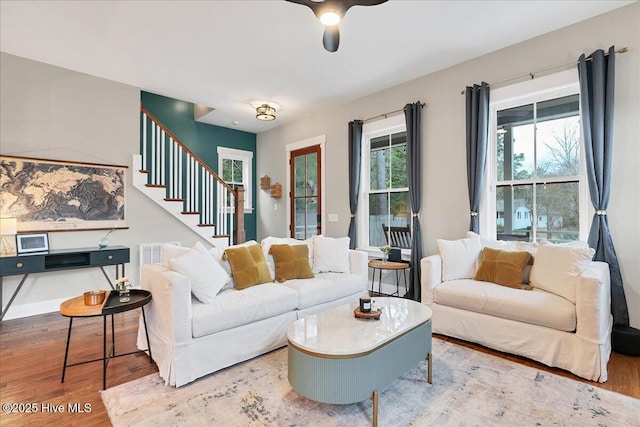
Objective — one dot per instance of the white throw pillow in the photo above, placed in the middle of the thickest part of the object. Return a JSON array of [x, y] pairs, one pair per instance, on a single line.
[[207, 277], [169, 251], [460, 257], [557, 267], [331, 255]]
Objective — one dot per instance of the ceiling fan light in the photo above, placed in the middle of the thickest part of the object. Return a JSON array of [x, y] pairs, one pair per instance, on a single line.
[[330, 17], [265, 113]]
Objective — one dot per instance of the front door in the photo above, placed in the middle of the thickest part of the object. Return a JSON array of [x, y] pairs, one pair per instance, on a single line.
[[305, 194]]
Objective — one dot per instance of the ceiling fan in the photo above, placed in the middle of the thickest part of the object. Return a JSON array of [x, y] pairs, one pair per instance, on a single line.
[[330, 12]]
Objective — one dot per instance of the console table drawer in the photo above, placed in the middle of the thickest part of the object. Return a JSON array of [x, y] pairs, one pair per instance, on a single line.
[[107, 256], [21, 265]]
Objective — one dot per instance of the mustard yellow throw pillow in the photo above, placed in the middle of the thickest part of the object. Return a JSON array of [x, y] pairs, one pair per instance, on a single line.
[[248, 266], [292, 262], [503, 267]]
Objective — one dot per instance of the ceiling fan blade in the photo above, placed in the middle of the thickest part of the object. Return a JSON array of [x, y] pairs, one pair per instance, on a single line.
[[331, 38]]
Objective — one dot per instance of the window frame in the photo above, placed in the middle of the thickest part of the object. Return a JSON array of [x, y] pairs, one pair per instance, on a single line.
[[226, 153], [541, 89], [371, 130]]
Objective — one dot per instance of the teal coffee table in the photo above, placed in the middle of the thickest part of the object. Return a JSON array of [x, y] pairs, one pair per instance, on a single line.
[[339, 359]]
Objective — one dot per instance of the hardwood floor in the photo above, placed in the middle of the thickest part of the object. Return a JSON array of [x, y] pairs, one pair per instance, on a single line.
[[32, 352]]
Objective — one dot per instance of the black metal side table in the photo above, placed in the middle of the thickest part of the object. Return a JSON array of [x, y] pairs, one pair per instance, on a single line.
[[75, 307], [379, 265]]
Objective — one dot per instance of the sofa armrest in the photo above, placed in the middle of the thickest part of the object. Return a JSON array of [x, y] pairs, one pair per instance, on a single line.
[[430, 276], [359, 263], [593, 303], [169, 314]]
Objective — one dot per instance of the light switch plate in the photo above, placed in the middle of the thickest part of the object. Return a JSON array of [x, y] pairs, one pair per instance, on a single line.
[[333, 217]]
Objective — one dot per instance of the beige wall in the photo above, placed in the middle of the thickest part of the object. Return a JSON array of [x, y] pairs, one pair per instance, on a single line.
[[53, 113], [445, 203]]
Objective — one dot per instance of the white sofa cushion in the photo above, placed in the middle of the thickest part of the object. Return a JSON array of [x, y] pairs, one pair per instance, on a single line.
[[460, 258], [557, 267], [536, 307], [233, 308], [325, 287]]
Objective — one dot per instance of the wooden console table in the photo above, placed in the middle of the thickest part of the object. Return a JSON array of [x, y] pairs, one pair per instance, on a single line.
[[63, 259]]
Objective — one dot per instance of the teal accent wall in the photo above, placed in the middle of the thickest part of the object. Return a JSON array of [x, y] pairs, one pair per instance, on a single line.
[[203, 139]]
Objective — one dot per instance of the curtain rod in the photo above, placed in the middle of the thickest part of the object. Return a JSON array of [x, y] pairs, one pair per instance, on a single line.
[[385, 115], [555, 67]]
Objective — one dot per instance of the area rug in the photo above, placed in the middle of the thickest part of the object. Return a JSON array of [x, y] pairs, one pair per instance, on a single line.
[[469, 388]]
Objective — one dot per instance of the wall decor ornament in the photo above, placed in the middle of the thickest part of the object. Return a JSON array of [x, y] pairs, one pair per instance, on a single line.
[[54, 195]]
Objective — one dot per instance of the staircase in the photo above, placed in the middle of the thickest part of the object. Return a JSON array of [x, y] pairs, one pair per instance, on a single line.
[[172, 176]]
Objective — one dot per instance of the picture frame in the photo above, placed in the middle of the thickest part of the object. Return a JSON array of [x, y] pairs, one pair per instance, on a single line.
[[59, 195], [29, 243]]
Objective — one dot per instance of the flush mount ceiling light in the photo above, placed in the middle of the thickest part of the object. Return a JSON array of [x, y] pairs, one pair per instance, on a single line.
[[330, 12], [265, 112]]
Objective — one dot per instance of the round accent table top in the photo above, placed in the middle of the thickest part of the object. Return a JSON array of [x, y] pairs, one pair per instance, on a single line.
[[388, 265], [75, 307]]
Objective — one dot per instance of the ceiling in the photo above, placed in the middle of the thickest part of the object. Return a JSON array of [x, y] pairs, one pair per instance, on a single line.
[[226, 54]]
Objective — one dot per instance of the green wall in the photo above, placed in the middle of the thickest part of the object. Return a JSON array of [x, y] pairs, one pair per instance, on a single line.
[[203, 139]]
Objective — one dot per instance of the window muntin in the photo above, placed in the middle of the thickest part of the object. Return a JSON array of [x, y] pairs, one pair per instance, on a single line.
[[537, 170]]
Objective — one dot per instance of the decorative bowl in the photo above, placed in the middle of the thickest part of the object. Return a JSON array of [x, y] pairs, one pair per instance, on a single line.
[[94, 297]]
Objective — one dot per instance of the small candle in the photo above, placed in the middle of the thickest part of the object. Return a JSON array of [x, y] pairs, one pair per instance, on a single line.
[[365, 304]]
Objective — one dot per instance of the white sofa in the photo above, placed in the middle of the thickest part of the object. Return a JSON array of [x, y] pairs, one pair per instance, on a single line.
[[190, 339], [539, 324]]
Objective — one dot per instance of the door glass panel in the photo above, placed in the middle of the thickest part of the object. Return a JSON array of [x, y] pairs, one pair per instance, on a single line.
[[311, 216], [311, 174], [300, 215], [299, 171]]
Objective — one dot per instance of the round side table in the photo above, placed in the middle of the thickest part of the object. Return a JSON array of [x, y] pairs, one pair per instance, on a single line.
[[75, 308], [399, 267]]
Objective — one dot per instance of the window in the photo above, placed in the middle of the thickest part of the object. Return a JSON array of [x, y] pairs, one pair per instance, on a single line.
[[537, 185], [384, 200], [234, 167]]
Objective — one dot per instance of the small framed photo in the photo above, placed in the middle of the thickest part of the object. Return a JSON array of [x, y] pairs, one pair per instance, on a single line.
[[32, 242]]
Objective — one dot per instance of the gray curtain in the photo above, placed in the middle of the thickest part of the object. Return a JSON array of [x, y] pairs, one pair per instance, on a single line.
[[477, 103], [355, 144], [413, 117], [597, 87]]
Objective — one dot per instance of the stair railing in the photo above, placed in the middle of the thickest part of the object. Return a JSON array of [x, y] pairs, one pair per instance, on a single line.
[[172, 165]]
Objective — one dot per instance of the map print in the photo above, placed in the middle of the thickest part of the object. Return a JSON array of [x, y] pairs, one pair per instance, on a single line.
[[48, 195]]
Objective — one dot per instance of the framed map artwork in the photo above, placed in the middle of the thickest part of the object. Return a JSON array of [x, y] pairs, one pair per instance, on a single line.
[[52, 195]]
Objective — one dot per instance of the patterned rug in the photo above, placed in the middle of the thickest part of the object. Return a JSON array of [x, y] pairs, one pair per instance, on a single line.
[[469, 388]]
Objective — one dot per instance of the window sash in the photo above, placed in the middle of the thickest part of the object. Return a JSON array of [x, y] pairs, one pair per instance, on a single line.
[[534, 91], [392, 125]]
